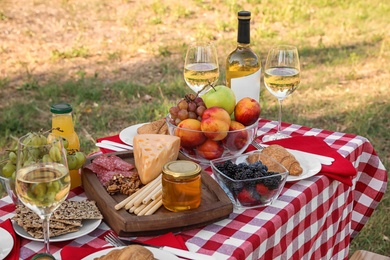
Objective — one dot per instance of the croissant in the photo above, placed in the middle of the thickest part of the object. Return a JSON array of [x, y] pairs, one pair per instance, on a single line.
[[128, 252], [281, 155]]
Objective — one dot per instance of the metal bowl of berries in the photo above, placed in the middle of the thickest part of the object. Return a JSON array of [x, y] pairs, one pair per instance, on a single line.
[[203, 146], [250, 183]]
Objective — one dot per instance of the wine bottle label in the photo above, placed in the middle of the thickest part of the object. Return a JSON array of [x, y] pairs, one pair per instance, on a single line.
[[247, 86]]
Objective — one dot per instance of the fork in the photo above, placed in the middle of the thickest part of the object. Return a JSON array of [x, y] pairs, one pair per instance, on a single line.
[[114, 240], [257, 145], [117, 242]]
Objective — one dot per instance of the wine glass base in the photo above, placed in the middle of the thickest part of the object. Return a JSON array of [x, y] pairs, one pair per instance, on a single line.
[[274, 137]]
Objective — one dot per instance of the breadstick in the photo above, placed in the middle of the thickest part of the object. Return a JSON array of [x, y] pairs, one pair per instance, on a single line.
[[125, 201], [155, 207], [132, 209], [156, 195], [152, 193], [139, 208], [147, 208], [140, 198], [141, 193]]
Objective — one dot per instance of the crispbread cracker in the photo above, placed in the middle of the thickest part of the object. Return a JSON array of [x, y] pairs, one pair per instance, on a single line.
[[156, 127], [37, 232], [86, 209], [69, 222], [164, 129], [67, 218]]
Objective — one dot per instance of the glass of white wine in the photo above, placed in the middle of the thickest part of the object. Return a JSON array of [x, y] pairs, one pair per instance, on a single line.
[[42, 177], [201, 68], [281, 78]]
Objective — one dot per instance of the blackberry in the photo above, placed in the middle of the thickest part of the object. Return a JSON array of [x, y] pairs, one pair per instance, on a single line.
[[273, 182], [228, 168], [243, 171], [240, 175]]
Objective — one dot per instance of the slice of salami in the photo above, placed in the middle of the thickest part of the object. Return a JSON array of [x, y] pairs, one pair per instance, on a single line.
[[98, 170], [105, 162], [120, 164], [105, 167]]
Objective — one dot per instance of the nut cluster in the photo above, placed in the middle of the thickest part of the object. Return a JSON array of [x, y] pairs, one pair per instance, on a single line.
[[123, 185]]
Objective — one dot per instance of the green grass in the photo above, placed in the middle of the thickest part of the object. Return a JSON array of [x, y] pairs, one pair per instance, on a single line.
[[135, 74]]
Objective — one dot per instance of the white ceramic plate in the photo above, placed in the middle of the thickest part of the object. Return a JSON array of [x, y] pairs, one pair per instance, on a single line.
[[89, 225], [310, 167], [157, 253], [127, 134], [6, 243]]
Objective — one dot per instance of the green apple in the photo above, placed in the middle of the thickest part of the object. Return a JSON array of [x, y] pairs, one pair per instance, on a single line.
[[220, 96]]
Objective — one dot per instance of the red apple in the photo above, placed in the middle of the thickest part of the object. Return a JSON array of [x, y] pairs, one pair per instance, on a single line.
[[190, 133], [215, 123], [210, 149], [247, 111], [236, 139]]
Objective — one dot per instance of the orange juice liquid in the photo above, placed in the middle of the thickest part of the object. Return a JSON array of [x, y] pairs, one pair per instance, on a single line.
[[65, 123]]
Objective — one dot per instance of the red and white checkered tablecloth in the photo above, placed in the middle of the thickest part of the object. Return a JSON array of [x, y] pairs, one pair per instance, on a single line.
[[313, 218]]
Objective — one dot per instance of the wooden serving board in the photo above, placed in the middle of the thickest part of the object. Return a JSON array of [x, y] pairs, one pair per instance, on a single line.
[[215, 205]]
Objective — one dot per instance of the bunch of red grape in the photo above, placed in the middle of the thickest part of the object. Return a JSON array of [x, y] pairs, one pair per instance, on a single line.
[[190, 106]]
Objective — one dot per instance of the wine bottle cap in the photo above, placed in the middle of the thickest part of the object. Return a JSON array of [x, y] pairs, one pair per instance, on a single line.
[[243, 36], [244, 15]]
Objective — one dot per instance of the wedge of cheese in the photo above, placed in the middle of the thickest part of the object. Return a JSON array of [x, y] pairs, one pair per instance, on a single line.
[[151, 152]]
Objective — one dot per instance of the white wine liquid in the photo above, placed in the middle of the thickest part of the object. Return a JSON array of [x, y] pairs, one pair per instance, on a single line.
[[43, 187], [281, 81], [199, 75]]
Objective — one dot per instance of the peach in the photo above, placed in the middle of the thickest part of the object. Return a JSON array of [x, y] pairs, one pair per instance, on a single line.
[[190, 133], [236, 140], [215, 123], [247, 111], [210, 149]]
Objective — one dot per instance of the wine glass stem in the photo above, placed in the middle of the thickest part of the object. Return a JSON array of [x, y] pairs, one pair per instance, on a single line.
[[46, 231], [280, 116]]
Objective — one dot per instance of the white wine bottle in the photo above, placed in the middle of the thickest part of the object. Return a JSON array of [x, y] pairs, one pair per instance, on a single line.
[[243, 66]]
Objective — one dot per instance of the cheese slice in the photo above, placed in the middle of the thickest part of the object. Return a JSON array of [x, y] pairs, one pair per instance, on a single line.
[[151, 152]]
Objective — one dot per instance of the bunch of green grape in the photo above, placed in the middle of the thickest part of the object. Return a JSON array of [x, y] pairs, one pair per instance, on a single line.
[[74, 157]]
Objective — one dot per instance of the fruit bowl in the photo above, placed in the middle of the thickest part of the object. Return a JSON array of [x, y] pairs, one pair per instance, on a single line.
[[201, 146], [250, 185]]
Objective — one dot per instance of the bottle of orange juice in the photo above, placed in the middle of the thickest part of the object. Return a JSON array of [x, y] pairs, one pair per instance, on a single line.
[[62, 124]]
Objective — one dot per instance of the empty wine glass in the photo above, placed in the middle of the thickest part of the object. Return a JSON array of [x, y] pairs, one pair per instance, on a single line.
[[42, 177], [281, 78], [201, 66]]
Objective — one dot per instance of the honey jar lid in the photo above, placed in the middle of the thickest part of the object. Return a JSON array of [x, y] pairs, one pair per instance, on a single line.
[[181, 169]]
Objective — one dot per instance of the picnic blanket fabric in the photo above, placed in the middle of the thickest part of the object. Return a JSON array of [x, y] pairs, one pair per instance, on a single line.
[[314, 218]]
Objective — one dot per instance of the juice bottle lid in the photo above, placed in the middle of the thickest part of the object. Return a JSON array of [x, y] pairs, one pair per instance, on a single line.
[[62, 108]]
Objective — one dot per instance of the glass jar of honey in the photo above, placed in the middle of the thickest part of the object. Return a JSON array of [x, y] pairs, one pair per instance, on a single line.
[[181, 185]]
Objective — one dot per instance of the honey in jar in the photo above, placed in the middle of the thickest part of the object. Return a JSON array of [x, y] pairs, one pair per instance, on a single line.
[[181, 185]]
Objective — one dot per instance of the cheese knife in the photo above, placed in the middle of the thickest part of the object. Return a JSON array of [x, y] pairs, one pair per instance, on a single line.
[[124, 146], [111, 147]]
